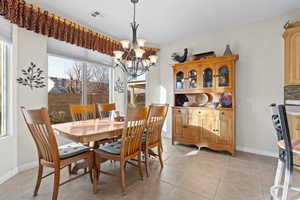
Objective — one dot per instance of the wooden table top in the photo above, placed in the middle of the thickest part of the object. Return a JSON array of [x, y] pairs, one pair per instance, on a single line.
[[89, 130]]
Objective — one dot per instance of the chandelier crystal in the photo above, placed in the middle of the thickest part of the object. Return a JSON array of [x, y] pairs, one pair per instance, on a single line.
[[132, 58]]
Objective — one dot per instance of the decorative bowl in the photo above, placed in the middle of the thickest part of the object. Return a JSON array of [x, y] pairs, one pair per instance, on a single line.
[[119, 119], [226, 100]]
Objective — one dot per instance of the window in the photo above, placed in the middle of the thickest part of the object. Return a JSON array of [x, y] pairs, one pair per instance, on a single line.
[[74, 82], [137, 91], [3, 66]]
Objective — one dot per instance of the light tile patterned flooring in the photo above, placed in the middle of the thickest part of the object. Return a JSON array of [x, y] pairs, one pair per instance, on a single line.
[[187, 174]]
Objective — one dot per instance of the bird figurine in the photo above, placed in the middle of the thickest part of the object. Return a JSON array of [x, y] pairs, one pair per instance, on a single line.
[[178, 58]]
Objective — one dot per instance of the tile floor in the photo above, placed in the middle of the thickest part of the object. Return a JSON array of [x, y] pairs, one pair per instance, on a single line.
[[187, 174]]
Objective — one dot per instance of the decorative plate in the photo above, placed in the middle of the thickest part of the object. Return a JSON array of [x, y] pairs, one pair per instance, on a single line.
[[202, 99], [226, 99]]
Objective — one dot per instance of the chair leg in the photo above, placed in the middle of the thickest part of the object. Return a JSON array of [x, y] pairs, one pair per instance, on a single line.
[[96, 172], [70, 169], [146, 161], [161, 146], [160, 156], [278, 176], [122, 170], [95, 180], [39, 179], [140, 165], [91, 166], [287, 183], [56, 184]]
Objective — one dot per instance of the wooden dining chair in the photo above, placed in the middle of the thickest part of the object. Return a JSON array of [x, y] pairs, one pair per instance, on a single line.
[[105, 109], [126, 149], [49, 154], [83, 112], [152, 137]]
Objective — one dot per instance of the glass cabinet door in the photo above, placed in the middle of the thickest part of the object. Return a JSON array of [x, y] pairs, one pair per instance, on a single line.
[[208, 78], [193, 82], [179, 80], [223, 76]]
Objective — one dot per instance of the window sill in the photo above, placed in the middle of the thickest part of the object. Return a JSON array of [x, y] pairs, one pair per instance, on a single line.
[[4, 137]]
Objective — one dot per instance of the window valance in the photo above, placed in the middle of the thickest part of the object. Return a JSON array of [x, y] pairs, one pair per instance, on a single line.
[[41, 21]]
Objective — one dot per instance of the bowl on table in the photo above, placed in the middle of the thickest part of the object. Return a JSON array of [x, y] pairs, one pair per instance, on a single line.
[[119, 119]]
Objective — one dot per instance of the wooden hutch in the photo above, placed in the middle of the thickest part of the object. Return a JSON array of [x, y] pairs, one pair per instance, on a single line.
[[205, 126], [292, 76]]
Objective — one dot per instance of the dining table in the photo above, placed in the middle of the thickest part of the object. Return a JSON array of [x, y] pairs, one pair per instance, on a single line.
[[91, 132]]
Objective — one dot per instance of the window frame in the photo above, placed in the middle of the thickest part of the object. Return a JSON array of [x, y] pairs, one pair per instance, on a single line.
[[84, 82], [4, 87]]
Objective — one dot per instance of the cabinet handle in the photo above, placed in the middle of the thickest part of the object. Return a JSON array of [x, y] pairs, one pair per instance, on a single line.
[[199, 112], [222, 113]]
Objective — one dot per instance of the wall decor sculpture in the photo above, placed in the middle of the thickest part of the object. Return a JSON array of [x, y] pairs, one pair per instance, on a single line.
[[32, 77]]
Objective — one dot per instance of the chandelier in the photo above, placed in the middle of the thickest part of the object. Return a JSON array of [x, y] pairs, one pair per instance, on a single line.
[[132, 59]]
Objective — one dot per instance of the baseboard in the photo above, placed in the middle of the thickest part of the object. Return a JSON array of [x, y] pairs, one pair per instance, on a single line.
[[17, 170], [27, 166], [8, 175], [246, 149], [257, 151]]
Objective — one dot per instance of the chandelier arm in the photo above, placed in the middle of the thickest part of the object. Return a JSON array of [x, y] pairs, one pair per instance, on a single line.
[[135, 66], [128, 53], [123, 67]]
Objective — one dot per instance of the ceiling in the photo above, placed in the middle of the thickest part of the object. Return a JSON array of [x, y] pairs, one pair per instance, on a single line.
[[166, 21]]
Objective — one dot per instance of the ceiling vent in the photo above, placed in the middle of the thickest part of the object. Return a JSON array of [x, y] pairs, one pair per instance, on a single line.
[[96, 14]]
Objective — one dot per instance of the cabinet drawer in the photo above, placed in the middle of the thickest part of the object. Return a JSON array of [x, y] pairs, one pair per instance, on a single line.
[[226, 114], [179, 110], [215, 114]]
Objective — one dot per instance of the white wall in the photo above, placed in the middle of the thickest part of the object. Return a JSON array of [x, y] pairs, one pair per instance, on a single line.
[[64, 49], [153, 85], [259, 76], [17, 149], [28, 47]]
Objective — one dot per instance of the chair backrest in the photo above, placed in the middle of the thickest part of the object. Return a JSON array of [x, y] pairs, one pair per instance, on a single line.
[[155, 122], [83, 112], [105, 109], [280, 123], [135, 124], [38, 123]]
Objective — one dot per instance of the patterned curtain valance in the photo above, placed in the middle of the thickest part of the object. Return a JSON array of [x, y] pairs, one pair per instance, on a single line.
[[41, 21]]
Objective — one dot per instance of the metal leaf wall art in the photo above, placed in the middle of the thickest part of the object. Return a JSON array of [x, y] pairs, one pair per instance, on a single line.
[[32, 77], [119, 86]]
